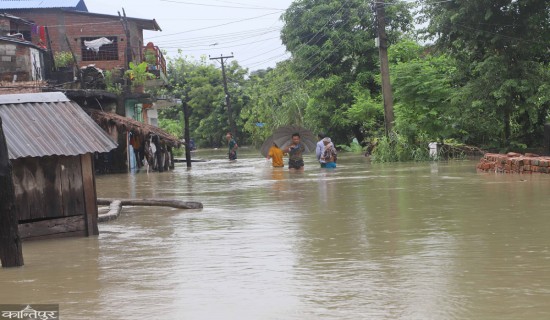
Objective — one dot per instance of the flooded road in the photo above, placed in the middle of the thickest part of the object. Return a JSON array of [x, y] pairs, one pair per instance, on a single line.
[[365, 241]]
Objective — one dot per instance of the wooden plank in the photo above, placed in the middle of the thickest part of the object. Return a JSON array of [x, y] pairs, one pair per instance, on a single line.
[[90, 198], [37, 188], [27, 196], [81, 233], [72, 192], [49, 184], [52, 227]]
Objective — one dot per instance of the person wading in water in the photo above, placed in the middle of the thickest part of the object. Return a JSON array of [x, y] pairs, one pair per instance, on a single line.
[[295, 151], [233, 146]]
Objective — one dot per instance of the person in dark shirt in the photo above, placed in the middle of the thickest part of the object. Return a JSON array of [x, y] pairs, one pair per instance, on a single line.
[[295, 151]]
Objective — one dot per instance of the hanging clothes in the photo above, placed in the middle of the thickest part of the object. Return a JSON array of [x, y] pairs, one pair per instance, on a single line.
[[94, 45], [42, 31]]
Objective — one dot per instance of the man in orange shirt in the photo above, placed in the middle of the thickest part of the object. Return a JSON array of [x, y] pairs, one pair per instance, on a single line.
[[276, 155]]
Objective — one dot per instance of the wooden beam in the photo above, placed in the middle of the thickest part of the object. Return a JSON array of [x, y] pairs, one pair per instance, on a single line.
[[52, 227], [11, 252], [90, 198]]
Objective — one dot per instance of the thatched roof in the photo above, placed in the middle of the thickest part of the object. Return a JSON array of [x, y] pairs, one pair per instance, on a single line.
[[106, 119]]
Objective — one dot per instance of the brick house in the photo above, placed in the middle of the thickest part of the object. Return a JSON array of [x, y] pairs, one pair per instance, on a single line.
[[70, 25], [20, 60]]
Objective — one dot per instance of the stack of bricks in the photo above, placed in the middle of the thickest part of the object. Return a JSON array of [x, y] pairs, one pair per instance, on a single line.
[[514, 163]]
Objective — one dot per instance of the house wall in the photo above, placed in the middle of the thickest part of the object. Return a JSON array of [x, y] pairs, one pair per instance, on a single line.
[[76, 26], [55, 196], [15, 59]]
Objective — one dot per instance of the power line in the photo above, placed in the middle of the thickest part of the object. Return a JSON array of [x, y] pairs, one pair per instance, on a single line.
[[234, 35], [220, 6], [215, 47], [303, 45], [215, 26]]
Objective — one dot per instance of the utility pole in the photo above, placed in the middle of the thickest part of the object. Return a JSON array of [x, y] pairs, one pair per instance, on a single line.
[[384, 64], [232, 126], [186, 134], [11, 252]]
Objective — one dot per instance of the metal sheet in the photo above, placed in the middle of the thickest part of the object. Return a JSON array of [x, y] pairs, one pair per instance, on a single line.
[[38, 129], [35, 4]]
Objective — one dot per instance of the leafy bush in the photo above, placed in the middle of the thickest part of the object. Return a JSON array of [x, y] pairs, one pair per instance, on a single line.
[[354, 146], [63, 59], [111, 85], [395, 148]]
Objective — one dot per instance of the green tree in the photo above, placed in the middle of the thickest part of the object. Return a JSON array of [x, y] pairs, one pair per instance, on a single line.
[[501, 47], [275, 97], [198, 83], [332, 45]]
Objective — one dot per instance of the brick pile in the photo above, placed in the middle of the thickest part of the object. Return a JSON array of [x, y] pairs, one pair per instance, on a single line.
[[514, 163]]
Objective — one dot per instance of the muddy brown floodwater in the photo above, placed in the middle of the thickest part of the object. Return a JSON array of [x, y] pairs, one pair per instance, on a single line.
[[365, 241]]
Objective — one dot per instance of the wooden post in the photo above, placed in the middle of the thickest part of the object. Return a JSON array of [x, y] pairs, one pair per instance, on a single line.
[[11, 252], [90, 197]]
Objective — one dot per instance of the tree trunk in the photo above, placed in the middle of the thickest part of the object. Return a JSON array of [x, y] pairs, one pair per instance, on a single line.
[[11, 252]]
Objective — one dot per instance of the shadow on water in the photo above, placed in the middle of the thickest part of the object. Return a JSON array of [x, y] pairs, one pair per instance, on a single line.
[[376, 241]]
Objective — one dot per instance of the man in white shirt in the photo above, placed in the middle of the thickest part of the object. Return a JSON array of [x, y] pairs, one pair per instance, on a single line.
[[320, 149]]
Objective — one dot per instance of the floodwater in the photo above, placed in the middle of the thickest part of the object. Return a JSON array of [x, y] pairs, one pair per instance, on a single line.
[[364, 241]]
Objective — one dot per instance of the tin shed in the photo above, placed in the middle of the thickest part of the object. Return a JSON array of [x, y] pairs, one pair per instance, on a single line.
[[51, 142]]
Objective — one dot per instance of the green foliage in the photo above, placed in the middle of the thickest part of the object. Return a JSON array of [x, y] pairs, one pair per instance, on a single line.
[[502, 56], [396, 148], [333, 49], [276, 97], [63, 59], [172, 126], [138, 74], [423, 90], [354, 147], [111, 85], [198, 83]]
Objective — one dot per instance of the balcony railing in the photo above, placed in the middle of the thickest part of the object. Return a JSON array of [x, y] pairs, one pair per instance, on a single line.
[[156, 63]]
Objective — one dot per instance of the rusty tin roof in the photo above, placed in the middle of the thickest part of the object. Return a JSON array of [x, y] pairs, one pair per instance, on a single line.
[[47, 124]]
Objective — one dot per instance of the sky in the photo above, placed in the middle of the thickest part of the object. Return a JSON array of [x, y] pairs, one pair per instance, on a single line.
[[247, 29]]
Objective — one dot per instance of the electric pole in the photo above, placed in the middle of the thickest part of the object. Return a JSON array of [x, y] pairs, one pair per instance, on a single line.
[[384, 64], [232, 126], [186, 134]]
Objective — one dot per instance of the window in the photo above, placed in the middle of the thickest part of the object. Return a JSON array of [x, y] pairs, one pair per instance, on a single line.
[[106, 52]]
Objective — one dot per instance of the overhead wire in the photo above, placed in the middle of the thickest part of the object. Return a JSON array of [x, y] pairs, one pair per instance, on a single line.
[[301, 46], [215, 26], [216, 47], [220, 6], [220, 37]]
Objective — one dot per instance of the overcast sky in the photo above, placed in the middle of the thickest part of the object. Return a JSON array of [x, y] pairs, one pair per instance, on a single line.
[[255, 41]]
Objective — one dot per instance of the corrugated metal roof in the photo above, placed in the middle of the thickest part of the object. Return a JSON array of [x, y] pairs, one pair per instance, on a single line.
[[43, 4], [47, 124], [21, 42]]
